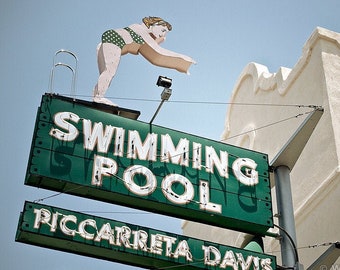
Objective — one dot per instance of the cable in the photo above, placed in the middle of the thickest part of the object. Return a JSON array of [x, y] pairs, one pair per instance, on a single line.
[[57, 194], [206, 102], [319, 245], [291, 242], [268, 125]]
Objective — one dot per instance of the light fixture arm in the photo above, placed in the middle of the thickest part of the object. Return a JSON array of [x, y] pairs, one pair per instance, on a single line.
[[165, 95]]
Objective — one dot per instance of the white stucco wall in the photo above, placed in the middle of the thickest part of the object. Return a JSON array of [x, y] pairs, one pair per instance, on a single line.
[[314, 80]]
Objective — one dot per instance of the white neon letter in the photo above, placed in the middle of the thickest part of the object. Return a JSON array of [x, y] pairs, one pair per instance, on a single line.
[[196, 155], [229, 260], [64, 228], [183, 250], [105, 233], [102, 166], [205, 203], [42, 216], [119, 142], [123, 236], [207, 255], [211, 160], [150, 185], [156, 244], [96, 136], [140, 241], [81, 229], [178, 155], [245, 265], [250, 178], [169, 241], [144, 151], [266, 264], [71, 132], [184, 198]]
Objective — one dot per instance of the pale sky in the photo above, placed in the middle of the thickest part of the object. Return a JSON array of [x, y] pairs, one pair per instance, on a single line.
[[222, 36]]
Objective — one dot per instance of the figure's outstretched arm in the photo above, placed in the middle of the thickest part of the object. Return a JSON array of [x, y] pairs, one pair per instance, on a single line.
[[160, 56], [179, 62]]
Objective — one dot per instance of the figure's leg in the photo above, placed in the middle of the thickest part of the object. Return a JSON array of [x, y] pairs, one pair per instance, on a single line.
[[108, 56]]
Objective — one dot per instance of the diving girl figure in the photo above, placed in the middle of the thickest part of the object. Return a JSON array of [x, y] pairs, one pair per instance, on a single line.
[[141, 39]]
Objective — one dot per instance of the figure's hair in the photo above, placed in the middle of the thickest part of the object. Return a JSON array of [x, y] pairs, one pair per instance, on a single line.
[[149, 21]]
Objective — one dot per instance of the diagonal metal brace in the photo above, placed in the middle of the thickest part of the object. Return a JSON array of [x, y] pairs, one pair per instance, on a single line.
[[291, 151]]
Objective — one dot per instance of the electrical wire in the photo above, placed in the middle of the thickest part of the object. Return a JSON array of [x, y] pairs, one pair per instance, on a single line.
[[205, 102], [326, 244], [306, 247], [268, 125], [291, 242], [57, 194]]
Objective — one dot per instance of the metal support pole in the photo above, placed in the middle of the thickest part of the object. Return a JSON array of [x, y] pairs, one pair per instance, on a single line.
[[164, 96], [286, 216], [159, 107], [282, 164]]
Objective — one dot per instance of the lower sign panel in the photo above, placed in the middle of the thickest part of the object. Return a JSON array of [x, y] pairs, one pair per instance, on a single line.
[[92, 236]]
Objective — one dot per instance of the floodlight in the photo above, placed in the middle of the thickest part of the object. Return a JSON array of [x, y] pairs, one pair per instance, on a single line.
[[164, 82]]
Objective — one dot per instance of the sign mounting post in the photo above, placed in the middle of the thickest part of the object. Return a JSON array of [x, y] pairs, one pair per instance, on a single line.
[[283, 163]]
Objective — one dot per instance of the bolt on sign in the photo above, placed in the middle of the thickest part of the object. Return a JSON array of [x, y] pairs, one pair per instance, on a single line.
[[87, 152], [112, 240]]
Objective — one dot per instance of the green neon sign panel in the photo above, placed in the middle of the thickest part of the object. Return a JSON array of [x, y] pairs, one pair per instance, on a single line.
[[87, 152], [112, 240]]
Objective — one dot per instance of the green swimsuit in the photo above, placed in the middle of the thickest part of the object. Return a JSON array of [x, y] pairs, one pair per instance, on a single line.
[[111, 36]]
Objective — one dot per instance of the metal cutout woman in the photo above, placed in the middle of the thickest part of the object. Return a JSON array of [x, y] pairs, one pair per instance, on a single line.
[[136, 39]]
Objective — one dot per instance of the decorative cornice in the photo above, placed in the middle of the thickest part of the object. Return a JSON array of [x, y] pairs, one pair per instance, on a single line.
[[283, 79]]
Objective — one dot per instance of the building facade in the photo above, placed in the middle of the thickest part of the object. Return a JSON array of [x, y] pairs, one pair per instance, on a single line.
[[315, 178]]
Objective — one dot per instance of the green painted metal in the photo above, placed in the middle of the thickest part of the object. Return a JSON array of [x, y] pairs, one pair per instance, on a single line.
[[112, 240], [68, 166]]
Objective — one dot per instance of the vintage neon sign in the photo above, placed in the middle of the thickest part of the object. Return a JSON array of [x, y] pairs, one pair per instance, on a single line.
[[93, 236], [100, 137], [96, 135], [116, 159]]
